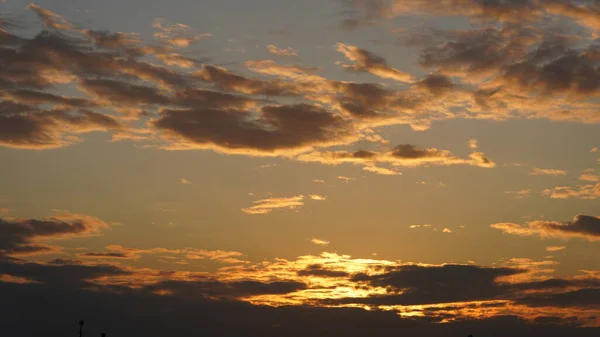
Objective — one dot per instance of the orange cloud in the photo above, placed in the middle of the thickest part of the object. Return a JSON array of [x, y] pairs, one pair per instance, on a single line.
[[50, 19], [549, 172], [590, 177], [281, 51], [582, 226], [265, 206], [401, 155], [588, 192], [366, 61], [520, 194], [555, 248], [319, 242], [121, 252], [177, 35]]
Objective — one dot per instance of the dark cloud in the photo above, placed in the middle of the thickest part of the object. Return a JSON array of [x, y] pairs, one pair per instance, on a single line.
[[437, 84], [33, 97], [108, 255], [195, 98], [370, 100], [58, 274], [119, 73], [226, 80], [413, 284], [555, 283], [123, 93], [476, 52], [588, 298], [108, 292], [34, 309], [225, 290], [320, 271], [22, 236], [23, 126], [276, 128]]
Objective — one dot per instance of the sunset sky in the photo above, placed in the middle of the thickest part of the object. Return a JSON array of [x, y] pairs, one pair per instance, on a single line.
[[284, 167]]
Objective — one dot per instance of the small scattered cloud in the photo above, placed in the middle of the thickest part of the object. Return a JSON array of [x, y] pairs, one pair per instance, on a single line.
[[346, 179], [318, 181], [264, 166], [473, 144], [595, 149], [381, 170], [548, 172], [265, 206], [281, 51], [586, 192], [185, 181], [319, 242], [590, 177], [519, 194], [317, 197], [177, 34], [418, 226], [446, 230], [555, 248]]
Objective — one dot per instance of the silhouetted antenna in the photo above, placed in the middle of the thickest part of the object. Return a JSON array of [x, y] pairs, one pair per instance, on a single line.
[[81, 328]]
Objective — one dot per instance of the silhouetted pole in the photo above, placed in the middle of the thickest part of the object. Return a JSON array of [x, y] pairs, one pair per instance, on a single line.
[[103, 335], [80, 328]]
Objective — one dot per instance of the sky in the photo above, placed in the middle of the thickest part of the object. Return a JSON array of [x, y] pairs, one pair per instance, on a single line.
[[286, 167]]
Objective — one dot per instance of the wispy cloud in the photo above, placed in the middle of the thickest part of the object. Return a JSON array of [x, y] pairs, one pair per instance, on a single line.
[[185, 181], [128, 253], [317, 197], [418, 226], [365, 61], [548, 172], [582, 226], [519, 194], [555, 248], [281, 51], [346, 179], [406, 155], [265, 206], [319, 242]]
